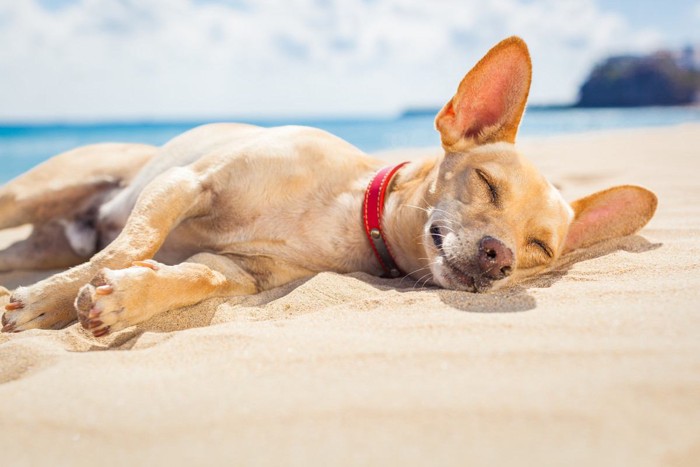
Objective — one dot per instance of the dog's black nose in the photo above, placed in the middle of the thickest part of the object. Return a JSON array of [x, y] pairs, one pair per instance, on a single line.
[[495, 258]]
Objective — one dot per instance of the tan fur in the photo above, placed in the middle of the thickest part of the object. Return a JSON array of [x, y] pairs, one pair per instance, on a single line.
[[231, 209]]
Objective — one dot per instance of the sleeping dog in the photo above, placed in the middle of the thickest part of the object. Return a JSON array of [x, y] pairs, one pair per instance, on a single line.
[[231, 209]]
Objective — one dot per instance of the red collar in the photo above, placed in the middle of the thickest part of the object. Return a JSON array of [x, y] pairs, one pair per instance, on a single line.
[[372, 209]]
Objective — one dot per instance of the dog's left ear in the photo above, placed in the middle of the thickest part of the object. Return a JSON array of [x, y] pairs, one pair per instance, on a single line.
[[615, 212], [490, 100]]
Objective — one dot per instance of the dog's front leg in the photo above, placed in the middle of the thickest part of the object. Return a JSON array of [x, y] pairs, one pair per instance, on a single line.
[[164, 203], [116, 299]]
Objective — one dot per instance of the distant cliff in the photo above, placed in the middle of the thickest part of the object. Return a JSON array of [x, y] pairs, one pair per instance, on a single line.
[[630, 81]]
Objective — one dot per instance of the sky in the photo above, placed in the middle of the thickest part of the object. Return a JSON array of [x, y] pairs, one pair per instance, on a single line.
[[109, 60]]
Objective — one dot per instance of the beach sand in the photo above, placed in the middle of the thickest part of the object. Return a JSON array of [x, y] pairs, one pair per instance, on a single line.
[[596, 363]]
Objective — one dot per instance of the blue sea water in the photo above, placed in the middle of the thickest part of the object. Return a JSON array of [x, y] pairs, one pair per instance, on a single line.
[[22, 145]]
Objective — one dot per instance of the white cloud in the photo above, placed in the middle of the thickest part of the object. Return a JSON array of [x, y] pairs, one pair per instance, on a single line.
[[175, 58]]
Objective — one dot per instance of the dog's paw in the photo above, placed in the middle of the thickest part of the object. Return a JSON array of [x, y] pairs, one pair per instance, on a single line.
[[116, 299], [32, 308], [13, 316]]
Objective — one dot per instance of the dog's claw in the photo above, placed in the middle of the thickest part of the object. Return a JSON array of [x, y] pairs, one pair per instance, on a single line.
[[12, 306], [150, 264], [7, 324], [104, 290], [101, 332]]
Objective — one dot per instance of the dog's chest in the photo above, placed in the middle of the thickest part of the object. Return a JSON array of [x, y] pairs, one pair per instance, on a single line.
[[316, 225]]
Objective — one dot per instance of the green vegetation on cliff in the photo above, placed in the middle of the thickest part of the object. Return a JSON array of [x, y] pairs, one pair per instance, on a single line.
[[629, 81]]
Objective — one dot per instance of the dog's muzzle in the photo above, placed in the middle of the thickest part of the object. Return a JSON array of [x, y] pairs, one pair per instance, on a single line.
[[492, 261]]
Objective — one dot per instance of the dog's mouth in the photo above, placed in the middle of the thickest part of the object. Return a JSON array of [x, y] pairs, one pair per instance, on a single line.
[[451, 275], [458, 272], [459, 279]]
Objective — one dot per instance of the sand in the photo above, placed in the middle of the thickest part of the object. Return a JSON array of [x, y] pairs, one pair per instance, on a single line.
[[597, 363]]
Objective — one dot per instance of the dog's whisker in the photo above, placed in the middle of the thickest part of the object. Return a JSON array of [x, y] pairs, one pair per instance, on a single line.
[[428, 279], [448, 215], [416, 207], [413, 272], [418, 281], [416, 270], [450, 230]]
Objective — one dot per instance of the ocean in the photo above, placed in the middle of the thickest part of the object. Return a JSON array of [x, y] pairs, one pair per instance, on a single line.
[[24, 145]]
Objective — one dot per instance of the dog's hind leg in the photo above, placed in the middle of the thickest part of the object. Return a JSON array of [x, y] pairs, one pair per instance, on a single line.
[[64, 184], [54, 245], [164, 203], [60, 198]]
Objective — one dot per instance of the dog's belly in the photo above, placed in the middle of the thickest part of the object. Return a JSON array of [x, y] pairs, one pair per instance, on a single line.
[[178, 152], [289, 194], [276, 241]]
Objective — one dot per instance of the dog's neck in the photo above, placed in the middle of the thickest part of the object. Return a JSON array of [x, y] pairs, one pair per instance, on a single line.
[[406, 213]]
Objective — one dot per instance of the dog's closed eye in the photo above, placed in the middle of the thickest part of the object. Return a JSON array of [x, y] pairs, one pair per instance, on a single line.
[[542, 246], [493, 191]]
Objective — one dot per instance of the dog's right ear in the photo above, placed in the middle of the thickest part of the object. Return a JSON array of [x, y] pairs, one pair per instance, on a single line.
[[490, 100]]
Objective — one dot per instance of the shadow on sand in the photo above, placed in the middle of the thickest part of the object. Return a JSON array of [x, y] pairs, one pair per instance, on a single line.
[[516, 298], [513, 299]]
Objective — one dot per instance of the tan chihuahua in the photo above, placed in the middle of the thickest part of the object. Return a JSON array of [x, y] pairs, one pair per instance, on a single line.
[[231, 209]]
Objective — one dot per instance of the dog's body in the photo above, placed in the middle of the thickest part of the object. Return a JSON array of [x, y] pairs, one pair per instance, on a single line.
[[231, 209]]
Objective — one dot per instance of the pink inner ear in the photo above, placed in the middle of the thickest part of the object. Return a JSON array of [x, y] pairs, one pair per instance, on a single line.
[[600, 215], [479, 118], [605, 215], [491, 97]]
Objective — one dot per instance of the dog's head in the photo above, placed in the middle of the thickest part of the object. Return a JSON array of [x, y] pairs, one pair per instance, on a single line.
[[492, 216]]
